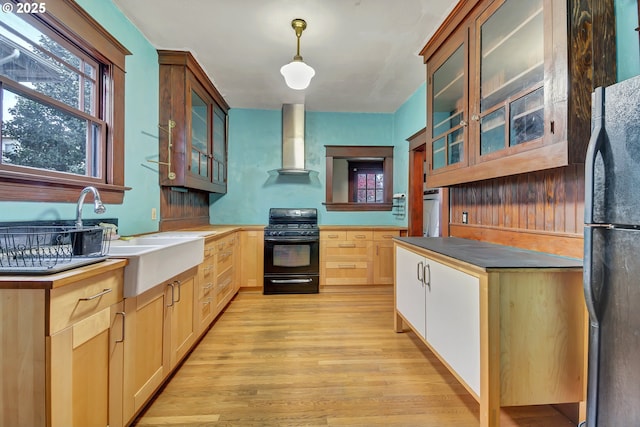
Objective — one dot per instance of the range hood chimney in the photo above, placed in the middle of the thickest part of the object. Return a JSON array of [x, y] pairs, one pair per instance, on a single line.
[[293, 140]]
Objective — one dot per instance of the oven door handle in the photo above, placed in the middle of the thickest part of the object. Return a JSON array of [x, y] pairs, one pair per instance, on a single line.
[[292, 240], [291, 280]]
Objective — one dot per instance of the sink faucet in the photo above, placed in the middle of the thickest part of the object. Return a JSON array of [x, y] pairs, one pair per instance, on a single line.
[[98, 207]]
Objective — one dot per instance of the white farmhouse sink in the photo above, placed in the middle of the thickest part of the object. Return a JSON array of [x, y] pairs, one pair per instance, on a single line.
[[155, 259]]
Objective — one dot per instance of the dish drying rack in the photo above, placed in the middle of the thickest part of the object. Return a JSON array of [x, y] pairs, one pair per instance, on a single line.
[[37, 249]]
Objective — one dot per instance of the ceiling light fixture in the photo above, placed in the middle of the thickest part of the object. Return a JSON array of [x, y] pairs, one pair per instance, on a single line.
[[296, 73]]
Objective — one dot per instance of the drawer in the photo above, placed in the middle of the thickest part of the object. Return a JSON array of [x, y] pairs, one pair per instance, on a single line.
[[333, 235], [346, 249], [385, 234], [359, 235], [207, 269], [77, 301], [347, 273], [205, 289], [224, 285], [224, 259], [209, 248]]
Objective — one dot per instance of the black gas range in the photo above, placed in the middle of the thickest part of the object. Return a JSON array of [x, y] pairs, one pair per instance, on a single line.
[[292, 252]]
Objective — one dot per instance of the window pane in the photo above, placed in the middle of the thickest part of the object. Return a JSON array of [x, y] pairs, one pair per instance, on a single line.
[[362, 180], [44, 137], [380, 180], [371, 180], [39, 62], [362, 196]]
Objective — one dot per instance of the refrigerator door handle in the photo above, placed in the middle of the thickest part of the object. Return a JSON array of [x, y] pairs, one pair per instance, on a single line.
[[587, 276], [595, 145]]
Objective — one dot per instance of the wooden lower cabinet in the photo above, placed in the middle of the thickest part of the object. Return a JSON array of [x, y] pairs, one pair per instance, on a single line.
[[356, 256], [511, 336], [383, 256], [59, 350], [251, 259], [159, 331]]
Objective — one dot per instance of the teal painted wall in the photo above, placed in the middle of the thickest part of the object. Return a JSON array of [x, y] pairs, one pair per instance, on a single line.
[[255, 139], [628, 51], [141, 134]]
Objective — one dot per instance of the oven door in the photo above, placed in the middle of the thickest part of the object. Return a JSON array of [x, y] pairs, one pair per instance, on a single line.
[[291, 256]]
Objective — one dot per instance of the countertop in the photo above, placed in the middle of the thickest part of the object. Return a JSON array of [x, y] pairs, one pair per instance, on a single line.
[[489, 255], [50, 281]]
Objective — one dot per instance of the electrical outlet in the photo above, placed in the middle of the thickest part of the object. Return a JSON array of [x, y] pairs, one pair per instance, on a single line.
[[154, 214], [465, 217]]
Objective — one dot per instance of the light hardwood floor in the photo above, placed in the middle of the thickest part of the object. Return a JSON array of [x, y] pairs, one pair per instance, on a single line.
[[329, 359]]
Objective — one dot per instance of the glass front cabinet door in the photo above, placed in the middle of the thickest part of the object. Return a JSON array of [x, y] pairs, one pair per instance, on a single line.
[[447, 121], [193, 151], [509, 86], [510, 96]]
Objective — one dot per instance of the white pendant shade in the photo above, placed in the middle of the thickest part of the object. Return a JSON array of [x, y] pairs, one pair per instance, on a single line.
[[297, 74]]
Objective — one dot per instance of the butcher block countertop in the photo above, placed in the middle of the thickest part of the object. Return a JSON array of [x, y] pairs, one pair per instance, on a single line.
[[489, 255], [56, 280]]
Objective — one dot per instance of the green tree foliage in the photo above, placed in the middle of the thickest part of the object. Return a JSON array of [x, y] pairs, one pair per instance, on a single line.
[[49, 138]]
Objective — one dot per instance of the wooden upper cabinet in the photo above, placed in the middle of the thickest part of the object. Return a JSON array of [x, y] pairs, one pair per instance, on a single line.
[[509, 87], [194, 115]]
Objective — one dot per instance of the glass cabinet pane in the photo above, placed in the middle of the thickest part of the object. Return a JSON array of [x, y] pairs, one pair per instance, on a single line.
[[219, 144], [199, 135], [511, 75], [447, 115]]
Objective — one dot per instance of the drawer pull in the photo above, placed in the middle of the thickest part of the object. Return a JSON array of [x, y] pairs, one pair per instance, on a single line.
[[388, 236], [124, 316], [346, 266], [347, 245], [98, 295], [360, 236], [332, 236], [173, 294]]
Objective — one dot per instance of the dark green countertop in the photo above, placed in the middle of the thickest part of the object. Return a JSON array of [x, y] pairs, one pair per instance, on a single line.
[[490, 255]]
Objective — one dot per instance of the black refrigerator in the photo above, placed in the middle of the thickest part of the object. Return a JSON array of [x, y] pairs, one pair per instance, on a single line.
[[612, 256]]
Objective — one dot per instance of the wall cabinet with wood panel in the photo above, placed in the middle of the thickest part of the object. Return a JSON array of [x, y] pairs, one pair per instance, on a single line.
[[193, 149], [356, 256], [61, 349], [508, 89], [513, 332]]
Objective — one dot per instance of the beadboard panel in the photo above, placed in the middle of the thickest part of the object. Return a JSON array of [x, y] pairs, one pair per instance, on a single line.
[[529, 210]]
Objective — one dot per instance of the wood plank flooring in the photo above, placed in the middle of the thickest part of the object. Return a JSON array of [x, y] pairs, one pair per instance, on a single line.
[[328, 359]]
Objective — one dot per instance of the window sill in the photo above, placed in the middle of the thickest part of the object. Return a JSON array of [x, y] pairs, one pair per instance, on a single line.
[[331, 206], [15, 186]]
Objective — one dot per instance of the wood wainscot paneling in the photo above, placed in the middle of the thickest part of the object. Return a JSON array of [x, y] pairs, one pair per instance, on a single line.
[[183, 208], [541, 211]]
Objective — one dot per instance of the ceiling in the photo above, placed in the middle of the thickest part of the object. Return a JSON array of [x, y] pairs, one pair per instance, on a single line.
[[365, 52]]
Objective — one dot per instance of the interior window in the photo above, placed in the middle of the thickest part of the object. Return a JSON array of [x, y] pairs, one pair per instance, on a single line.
[[58, 101], [359, 178]]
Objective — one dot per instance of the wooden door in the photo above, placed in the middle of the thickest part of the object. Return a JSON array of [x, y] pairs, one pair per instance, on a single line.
[[79, 373], [145, 361], [183, 327]]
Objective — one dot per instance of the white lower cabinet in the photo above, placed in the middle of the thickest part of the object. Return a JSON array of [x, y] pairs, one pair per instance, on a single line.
[[513, 334], [442, 305], [453, 319], [410, 289]]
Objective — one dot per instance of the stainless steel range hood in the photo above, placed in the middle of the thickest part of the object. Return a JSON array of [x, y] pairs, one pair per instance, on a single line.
[[293, 140]]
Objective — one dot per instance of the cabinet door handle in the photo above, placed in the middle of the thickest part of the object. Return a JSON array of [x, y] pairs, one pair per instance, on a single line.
[[427, 269], [124, 317], [419, 270], [177, 283], [98, 295], [172, 294]]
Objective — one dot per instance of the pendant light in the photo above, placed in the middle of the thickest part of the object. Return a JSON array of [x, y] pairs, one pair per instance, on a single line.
[[296, 73]]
